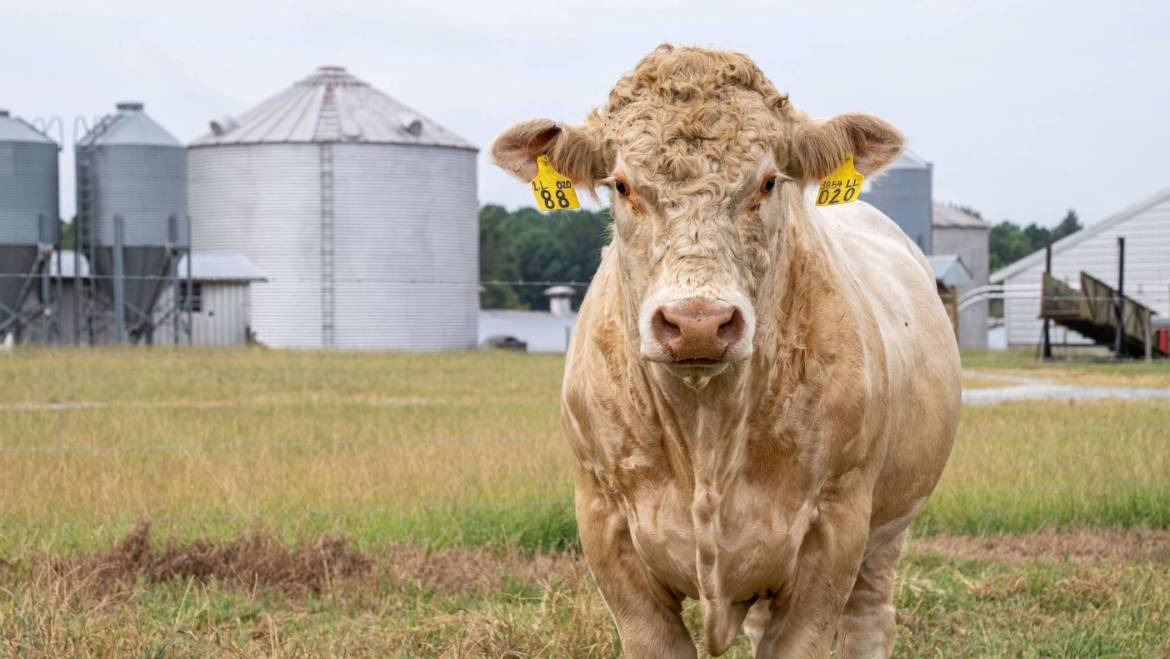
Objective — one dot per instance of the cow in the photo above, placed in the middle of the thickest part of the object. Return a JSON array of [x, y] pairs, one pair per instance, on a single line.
[[760, 393]]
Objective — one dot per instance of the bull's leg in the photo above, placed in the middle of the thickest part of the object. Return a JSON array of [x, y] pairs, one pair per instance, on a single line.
[[756, 622], [648, 615], [867, 626], [805, 623]]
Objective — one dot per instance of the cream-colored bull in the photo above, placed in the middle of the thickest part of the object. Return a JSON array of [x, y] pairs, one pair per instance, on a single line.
[[760, 393]]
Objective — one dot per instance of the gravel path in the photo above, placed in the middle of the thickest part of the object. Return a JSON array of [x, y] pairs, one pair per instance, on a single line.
[[1025, 388]]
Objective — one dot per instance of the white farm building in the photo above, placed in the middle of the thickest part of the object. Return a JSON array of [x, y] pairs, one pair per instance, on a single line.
[[1094, 249]]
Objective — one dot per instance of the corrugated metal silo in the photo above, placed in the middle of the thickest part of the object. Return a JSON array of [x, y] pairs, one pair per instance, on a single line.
[[130, 167], [28, 210], [362, 213], [904, 193]]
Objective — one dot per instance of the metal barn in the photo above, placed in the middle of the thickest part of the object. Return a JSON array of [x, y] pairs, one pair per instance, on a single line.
[[965, 236], [28, 214], [132, 221], [1146, 228], [361, 212]]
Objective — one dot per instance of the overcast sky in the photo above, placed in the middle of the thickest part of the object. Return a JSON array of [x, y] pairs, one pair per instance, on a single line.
[[1025, 108]]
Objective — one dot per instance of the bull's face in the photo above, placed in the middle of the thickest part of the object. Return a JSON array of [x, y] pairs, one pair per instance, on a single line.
[[705, 163]]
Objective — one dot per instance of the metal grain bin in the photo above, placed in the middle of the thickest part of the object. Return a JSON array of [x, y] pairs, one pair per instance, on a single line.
[[28, 209], [903, 192], [361, 212], [130, 167]]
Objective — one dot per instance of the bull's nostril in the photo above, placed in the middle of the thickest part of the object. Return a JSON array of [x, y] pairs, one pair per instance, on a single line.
[[732, 330], [663, 329]]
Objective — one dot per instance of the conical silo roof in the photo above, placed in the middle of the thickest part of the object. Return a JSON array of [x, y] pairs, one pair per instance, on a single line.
[[331, 105], [16, 130], [129, 126]]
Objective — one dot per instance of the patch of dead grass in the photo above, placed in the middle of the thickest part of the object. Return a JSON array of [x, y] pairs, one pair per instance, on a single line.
[[1082, 546]]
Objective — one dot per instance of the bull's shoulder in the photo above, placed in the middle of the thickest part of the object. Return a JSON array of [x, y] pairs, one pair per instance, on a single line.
[[853, 227]]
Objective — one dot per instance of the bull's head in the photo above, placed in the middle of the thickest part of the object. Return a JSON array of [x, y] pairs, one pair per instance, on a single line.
[[705, 163]]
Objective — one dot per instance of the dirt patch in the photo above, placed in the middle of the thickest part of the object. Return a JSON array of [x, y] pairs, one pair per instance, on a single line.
[[259, 561], [252, 561], [1085, 546]]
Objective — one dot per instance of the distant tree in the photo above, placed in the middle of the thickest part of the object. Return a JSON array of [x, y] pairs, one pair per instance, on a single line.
[[968, 210], [1068, 226], [1008, 242], [527, 246], [68, 231]]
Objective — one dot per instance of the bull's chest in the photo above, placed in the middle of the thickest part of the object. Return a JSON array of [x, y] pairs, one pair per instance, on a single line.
[[731, 543]]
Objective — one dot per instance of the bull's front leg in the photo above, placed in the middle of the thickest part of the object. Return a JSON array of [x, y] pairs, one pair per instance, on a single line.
[[805, 623], [647, 614]]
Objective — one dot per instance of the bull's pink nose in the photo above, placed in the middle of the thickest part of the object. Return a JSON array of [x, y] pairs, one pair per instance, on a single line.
[[697, 329]]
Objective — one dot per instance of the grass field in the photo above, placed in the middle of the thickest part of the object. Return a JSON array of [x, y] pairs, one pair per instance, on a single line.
[[415, 505]]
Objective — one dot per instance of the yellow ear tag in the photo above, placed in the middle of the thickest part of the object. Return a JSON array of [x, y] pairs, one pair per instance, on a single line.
[[552, 189], [841, 186]]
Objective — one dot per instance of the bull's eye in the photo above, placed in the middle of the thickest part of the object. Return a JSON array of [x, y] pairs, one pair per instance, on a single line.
[[621, 187], [769, 184]]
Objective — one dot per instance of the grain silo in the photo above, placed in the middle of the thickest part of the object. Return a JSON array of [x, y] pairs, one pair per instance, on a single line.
[[903, 192], [361, 212], [132, 194], [28, 213]]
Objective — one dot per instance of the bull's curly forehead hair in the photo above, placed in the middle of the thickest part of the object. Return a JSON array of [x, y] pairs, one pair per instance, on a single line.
[[685, 76], [693, 119]]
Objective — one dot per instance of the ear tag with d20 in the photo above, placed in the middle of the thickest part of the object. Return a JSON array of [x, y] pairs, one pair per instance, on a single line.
[[841, 186], [552, 189]]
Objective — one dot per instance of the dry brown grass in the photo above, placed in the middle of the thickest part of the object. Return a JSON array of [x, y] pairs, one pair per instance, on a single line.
[[1079, 546]]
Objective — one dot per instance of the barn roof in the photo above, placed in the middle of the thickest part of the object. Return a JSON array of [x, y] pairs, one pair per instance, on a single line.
[[1081, 236], [949, 217], [220, 266], [949, 269]]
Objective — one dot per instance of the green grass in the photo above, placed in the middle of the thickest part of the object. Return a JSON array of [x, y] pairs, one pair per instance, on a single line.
[[458, 450]]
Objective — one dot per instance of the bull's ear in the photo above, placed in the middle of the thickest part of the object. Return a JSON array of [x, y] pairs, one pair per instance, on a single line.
[[574, 151], [819, 147]]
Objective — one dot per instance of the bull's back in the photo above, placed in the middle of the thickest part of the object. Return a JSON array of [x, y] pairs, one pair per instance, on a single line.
[[893, 279]]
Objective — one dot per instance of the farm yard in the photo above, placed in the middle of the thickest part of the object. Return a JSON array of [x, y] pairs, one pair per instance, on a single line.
[[251, 502]]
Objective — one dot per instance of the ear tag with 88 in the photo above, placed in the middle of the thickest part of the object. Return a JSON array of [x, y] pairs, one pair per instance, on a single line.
[[553, 190]]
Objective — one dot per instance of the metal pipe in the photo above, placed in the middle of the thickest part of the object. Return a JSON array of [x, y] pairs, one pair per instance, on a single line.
[[76, 283], [173, 272], [190, 288], [1119, 304], [1047, 323], [119, 282]]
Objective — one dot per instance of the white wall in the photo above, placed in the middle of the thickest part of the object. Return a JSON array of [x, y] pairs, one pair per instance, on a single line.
[[222, 321], [1147, 273]]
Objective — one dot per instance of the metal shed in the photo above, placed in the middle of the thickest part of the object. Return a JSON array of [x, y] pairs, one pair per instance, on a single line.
[[219, 299], [361, 211], [964, 235]]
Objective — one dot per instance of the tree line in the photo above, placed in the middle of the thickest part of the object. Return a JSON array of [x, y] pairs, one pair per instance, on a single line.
[[1009, 242], [527, 245], [530, 246]]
